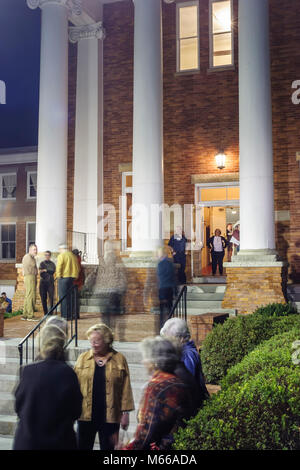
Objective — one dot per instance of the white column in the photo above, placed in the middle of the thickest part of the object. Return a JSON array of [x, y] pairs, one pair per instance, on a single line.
[[255, 114], [51, 210], [88, 169], [147, 124]]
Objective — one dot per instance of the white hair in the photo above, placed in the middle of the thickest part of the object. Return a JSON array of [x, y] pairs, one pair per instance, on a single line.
[[163, 353], [176, 328]]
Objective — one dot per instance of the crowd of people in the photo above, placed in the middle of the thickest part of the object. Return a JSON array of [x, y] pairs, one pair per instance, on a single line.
[[51, 396], [68, 271]]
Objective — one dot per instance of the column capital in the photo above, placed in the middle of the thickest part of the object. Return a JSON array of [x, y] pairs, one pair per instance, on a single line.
[[87, 31], [73, 5]]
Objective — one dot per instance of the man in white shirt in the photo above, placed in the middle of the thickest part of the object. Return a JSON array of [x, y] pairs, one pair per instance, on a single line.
[[217, 245]]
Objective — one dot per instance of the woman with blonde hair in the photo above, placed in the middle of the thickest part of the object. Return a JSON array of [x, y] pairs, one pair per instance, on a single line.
[[104, 380], [48, 397]]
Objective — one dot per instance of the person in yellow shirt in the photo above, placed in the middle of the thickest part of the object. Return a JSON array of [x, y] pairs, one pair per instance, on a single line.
[[67, 269]]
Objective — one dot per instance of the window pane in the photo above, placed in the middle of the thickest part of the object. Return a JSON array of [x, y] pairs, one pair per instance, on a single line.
[[8, 250], [221, 12], [12, 232], [222, 49], [233, 193], [4, 233], [213, 194], [188, 22], [188, 54]]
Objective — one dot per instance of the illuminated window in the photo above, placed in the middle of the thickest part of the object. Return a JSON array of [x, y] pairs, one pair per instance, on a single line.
[[31, 184], [187, 36], [221, 33]]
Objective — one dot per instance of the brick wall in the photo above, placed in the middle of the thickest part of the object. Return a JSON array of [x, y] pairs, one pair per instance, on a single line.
[[201, 113]]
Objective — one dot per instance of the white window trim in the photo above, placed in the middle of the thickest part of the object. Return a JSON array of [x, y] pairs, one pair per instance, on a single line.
[[178, 6], [27, 224], [1, 177], [210, 22], [125, 190], [7, 260], [29, 173], [216, 203]]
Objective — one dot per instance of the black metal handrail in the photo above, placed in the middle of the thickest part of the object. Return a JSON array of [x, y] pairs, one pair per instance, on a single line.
[[72, 294], [179, 306]]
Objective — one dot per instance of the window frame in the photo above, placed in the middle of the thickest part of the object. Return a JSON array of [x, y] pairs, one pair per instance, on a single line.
[[178, 7], [8, 260], [28, 222], [30, 172], [216, 203], [211, 37], [14, 173]]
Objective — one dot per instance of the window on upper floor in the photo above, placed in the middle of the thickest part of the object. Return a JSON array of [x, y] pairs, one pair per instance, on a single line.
[[30, 234], [8, 241], [8, 185], [187, 33], [31, 184], [221, 33]]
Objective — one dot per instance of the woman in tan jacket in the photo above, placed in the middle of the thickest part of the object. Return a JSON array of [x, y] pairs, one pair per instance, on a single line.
[[104, 380]]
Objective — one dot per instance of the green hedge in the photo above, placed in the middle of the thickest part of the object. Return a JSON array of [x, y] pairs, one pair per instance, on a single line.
[[258, 407], [276, 310], [229, 343], [13, 314]]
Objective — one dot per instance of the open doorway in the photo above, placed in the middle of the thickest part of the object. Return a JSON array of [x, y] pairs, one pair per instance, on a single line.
[[216, 207]]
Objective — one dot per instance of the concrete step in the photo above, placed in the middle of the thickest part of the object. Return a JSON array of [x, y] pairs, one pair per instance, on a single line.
[[8, 383], [8, 424], [197, 296], [209, 280], [7, 404], [202, 311], [6, 442], [206, 288], [193, 304]]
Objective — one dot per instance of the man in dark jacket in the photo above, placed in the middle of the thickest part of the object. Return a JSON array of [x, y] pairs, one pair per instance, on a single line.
[[166, 284], [47, 269], [178, 244], [217, 245]]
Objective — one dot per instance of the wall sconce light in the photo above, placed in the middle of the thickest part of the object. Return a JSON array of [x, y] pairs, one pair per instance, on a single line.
[[220, 160]]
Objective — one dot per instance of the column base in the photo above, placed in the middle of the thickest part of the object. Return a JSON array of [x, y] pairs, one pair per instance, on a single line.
[[254, 278], [142, 289]]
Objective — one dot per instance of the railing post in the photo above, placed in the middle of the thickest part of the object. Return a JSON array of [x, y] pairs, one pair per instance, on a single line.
[[20, 348], [76, 316]]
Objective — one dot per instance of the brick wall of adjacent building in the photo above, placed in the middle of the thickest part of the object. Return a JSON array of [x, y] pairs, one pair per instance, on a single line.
[[201, 112]]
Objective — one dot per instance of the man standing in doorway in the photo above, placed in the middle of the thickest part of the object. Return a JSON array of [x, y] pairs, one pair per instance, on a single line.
[[47, 270], [67, 269], [217, 245], [30, 275]]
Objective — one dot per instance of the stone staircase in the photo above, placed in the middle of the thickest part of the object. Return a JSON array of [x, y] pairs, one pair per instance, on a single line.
[[206, 298], [9, 367]]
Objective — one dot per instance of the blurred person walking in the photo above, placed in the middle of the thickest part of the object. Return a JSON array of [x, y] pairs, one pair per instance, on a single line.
[[48, 397], [166, 284], [104, 380], [166, 401]]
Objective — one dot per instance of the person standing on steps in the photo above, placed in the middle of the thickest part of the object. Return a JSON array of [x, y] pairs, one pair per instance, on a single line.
[[67, 270], [47, 269], [178, 244], [30, 277], [217, 245]]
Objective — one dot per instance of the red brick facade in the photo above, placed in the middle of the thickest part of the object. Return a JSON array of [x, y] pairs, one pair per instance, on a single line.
[[201, 112]]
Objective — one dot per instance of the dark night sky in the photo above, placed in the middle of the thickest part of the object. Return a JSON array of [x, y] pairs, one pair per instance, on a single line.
[[19, 69]]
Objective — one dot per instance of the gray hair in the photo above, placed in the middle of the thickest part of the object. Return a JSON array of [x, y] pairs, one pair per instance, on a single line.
[[53, 339], [163, 353], [176, 328]]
